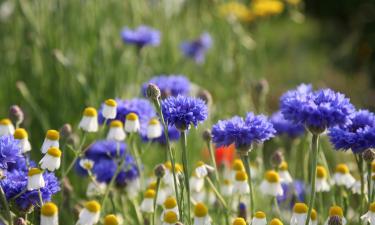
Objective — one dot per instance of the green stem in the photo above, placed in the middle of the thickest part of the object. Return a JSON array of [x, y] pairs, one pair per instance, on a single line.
[[111, 183], [156, 197], [217, 193], [186, 172], [369, 179], [359, 161], [212, 155], [246, 162], [5, 205], [40, 198], [277, 209], [78, 153], [315, 151]]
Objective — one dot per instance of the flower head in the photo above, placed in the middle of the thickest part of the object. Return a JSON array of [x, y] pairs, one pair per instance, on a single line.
[[183, 111], [317, 110], [197, 49], [141, 36], [358, 135], [10, 151], [283, 126], [169, 85], [243, 133]]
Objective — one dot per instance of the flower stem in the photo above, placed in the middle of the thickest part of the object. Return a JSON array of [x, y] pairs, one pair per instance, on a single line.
[[277, 209], [217, 193], [111, 183], [5, 205], [78, 153], [246, 162], [212, 155], [369, 178], [359, 161], [156, 197], [315, 150], [186, 172], [40, 197]]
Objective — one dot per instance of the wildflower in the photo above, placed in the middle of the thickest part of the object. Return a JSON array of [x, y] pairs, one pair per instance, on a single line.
[[314, 217], [10, 151], [90, 213], [89, 121], [236, 167], [151, 91], [162, 194], [159, 171], [259, 218], [342, 176], [183, 111], [147, 204], [51, 160], [201, 216], [239, 221], [293, 192], [154, 129], [243, 133], [132, 124], [21, 136], [168, 177], [197, 49], [356, 187], [16, 114], [227, 188], [49, 214], [95, 189], [86, 164], [111, 219], [141, 36], [284, 174], [35, 179], [317, 110], [51, 140], [170, 218], [224, 155], [109, 109], [203, 169], [240, 185], [170, 205], [321, 184], [271, 184], [299, 215], [369, 217], [6, 127], [116, 131], [276, 221], [358, 135], [169, 85], [267, 8], [237, 11], [336, 211], [286, 127], [196, 183]]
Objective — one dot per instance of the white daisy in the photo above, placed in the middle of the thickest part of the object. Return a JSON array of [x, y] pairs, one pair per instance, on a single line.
[[271, 184], [89, 121], [51, 140], [21, 135], [321, 184], [147, 204], [299, 215], [370, 215], [6, 127], [49, 214], [51, 160], [109, 109], [342, 176], [284, 174], [90, 214], [116, 131], [132, 124], [154, 129], [259, 218], [201, 216], [35, 179]]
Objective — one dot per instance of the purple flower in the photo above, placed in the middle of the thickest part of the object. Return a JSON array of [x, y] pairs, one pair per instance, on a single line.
[[9, 151], [317, 110], [183, 111], [293, 193], [283, 126], [243, 133], [197, 49], [171, 85], [141, 36], [358, 135]]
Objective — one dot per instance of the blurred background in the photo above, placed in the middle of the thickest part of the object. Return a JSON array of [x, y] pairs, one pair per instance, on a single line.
[[58, 56]]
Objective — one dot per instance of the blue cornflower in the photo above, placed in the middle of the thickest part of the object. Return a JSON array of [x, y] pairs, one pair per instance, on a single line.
[[10, 151], [292, 193], [16, 182], [197, 49], [141, 36], [104, 149], [317, 110], [358, 135], [171, 85], [283, 126], [182, 111], [242, 132]]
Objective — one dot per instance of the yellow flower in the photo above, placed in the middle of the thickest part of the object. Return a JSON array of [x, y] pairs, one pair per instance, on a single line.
[[267, 7], [293, 2], [237, 10]]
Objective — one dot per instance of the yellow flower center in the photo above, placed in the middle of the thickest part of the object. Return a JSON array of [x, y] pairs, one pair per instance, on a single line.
[[20, 134], [111, 220], [152, 185], [272, 176], [55, 152], [150, 193], [200, 163], [116, 123], [276, 221], [178, 168], [260, 215], [267, 7], [111, 102], [153, 121], [300, 208], [200, 210], [238, 165], [53, 135], [239, 221], [93, 206], [34, 171], [227, 182], [284, 166], [336, 211], [90, 112], [170, 203], [168, 165], [241, 176], [49, 209], [314, 214], [132, 117], [342, 168], [5, 121], [170, 217], [372, 207], [87, 165], [321, 172]]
